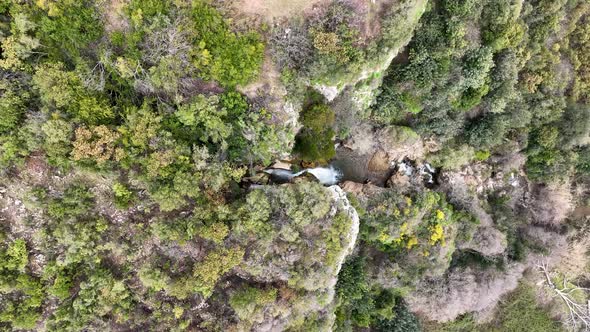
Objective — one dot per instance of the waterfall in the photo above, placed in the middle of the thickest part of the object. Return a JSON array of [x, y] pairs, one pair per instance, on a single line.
[[327, 176]]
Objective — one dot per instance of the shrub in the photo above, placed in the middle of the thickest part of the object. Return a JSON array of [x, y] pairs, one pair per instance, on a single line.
[[520, 312], [16, 257], [203, 115], [19, 46], [76, 201], [213, 267], [154, 279], [393, 106], [403, 320], [123, 196], [292, 47], [63, 90], [216, 232], [100, 295], [57, 143], [249, 301], [326, 43], [24, 312], [453, 158]]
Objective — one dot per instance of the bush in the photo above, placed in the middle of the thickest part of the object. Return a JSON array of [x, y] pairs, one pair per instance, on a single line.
[[249, 301], [154, 279], [403, 320], [220, 54], [96, 144], [123, 196], [63, 90], [77, 201], [15, 258], [24, 312], [292, 48], [392, 106], [57, 141], [453, 158], [213, 267], [520, 313]]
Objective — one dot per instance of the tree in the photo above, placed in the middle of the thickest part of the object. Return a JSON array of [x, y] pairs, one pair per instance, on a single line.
[[476, 67], [487, 132], [57, 144], [213, 267], [57, 87], [19, 46], [68, 27], [315, 140], [577, 307], [63, 90], [96, 144], [13, 103], [206, 118]]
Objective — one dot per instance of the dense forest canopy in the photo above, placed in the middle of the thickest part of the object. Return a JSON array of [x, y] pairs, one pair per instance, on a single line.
[[162, 163]]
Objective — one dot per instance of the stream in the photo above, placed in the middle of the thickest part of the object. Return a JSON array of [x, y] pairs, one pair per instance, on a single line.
[[343, 170], [327, 176]]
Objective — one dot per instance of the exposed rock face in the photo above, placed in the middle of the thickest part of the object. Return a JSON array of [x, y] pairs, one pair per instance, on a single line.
[[329, 92], [477, 290], [361, 190], [281, 165], [361, 139], [462, 291], [399, 143], [379, 162], [461, 187], [487, 241], [340, 199], [393, 143]]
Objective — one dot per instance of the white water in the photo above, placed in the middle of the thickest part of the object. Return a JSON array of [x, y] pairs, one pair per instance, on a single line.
[[326, 175]]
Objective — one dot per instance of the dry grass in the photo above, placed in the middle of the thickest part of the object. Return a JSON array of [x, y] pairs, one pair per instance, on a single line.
[[113, 14], [271, 9]]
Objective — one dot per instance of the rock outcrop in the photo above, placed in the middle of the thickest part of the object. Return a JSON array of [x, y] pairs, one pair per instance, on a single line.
[[463, 291]]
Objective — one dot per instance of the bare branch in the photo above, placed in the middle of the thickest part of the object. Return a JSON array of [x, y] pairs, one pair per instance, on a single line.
[[579, 313]]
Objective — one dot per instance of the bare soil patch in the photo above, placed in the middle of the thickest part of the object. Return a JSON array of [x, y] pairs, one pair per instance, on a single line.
[[271, 9], [113, 15]]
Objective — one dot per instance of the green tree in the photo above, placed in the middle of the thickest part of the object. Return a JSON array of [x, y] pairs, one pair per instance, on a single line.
[[13, 104], [220, 54], [315, 140]]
